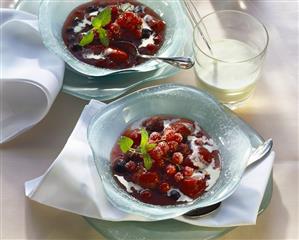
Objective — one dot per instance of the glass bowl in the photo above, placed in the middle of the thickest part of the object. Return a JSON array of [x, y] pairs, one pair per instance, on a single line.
[[52, 14], [107, 125]]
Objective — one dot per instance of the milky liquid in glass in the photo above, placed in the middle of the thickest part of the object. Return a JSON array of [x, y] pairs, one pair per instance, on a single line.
[[232, 78]]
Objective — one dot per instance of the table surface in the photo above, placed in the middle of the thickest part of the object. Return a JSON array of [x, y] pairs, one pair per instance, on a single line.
[[272, 111]]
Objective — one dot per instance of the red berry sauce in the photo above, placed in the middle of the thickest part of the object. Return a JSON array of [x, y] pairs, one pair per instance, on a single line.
[[130, 21], [185, 161]]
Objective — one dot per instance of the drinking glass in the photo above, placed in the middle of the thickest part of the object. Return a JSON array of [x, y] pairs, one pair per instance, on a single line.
[[230, 69]]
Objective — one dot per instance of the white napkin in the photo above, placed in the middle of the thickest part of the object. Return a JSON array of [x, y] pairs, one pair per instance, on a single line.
[[31, 76], [72, 184]]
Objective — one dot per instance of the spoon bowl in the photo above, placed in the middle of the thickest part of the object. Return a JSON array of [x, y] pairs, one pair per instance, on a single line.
[[179, 62]]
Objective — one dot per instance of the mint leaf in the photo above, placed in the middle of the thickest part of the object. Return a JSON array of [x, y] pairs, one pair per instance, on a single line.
[[144, 138], [103, 36], [150, 146], [125, 143], [87, 38], [96, 22], [105, 17], [147, 161]]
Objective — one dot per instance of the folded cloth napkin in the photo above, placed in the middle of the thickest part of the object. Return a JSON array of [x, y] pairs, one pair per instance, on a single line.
[[73, 184], [31, 76]]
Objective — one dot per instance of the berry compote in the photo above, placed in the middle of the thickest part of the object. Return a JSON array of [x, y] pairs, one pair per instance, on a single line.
[[165, 160], [104, 24]]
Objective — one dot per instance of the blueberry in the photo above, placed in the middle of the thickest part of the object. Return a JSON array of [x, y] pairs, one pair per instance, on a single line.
[[71, 38], [76, 21], [120, 166], [92, 8], [146, 33], [139, 9], [76, 48], [69, 30], [174, 194]]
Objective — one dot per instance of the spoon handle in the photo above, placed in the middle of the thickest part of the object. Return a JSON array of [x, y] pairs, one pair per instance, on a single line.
[[179, 62], [260, 152]]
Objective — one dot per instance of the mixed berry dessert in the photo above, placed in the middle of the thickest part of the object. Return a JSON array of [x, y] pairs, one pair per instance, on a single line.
[[165, 160], [94, 33]]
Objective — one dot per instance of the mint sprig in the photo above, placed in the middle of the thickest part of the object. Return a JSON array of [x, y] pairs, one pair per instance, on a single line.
[[126, 143], [98, 22]]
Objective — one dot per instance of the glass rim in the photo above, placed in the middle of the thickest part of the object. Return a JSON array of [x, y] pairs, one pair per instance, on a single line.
[[260, 53]]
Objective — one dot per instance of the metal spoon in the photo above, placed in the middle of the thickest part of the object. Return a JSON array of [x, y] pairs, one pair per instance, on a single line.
[[258, 154], [179, 62]]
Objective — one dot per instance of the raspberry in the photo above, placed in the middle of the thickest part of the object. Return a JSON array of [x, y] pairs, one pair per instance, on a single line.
[[151, 48], [178, 137], [205, 155], [178, 177], [157, 25], [158, 39], [184, 149], [155, 136], [164, 187], [154, 124], [145, 194], [129, 20], [172, 146], [114, 29], [135, 135], [164, 146], [169, 135], [177, 158], [149, 180], [131, 166], [188, 171], [193, 187], [156, 153], [183, 127], [170, 169]]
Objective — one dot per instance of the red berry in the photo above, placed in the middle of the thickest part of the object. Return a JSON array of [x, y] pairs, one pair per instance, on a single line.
[[184, 149], [183, 127], [188, 171], [114, 13], [157, 25], [216, 157], [158, 39], [172, 146], [118, 55], [151, 48], [198, 141], [164, 187], [137, 33], [164, 146], [149, 180], [177, 158], [114, 29], [135, 135], [170, 169], [154, 124], [145, 194], [131, 166], [156, 153], [205, 155], [129, 20], [193, 187], [169, 135], [178, 137], [178, 177], [155, 136]]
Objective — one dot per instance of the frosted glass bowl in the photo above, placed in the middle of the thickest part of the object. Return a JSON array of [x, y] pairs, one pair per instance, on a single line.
[[107, 125], [52, 14]]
